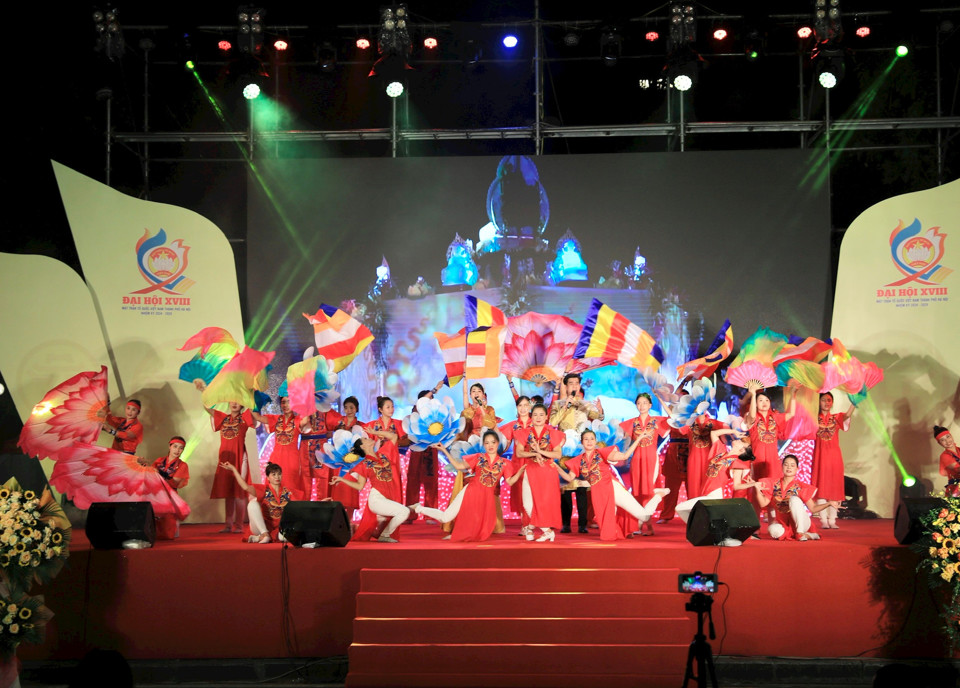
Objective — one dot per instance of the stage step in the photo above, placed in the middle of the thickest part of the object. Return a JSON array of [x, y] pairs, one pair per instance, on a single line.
[[519, 627]]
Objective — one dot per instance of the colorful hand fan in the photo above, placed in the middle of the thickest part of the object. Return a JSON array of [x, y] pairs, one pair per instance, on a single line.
[[751, 372]]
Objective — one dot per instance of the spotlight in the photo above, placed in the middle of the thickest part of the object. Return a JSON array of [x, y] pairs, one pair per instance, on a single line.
[[827, 79], [902, 51], [430, 43], [611, 43], [394, 35], [720, 34], [225, 46], [804, 32], [829, 68], [682, 71], [752, 55], [250, 29], [394, 89], [571, 39], [683, 25], [909, 481], [190, 65], [682, 82], [652, 36], [510, 41], [863, 31], [109, 36], [363, 43], [280, 45], [251, 91]]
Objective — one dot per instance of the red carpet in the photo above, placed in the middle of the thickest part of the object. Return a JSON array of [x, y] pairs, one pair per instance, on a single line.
[[498, 609]]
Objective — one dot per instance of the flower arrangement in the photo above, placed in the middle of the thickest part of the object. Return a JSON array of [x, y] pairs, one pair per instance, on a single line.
[[34, 535], [22, 620], [940, 550]]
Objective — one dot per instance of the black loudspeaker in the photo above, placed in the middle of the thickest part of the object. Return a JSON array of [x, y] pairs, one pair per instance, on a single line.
[[324, 523], [110, 524], [906, 523], [713, 520]]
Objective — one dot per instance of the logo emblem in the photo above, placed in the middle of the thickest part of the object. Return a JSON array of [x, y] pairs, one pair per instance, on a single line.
[[917, 254], [162, 266]]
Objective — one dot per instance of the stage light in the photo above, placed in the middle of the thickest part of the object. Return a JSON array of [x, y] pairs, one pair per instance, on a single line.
[[752, 55], [909, 481], [571, 39], [190, 65], [827, 79], [109, 36], [804, 32], [902, 51], [250, 29], [394, 89], [610, 45], [225, 46], [280, 45], [393, 38], [510, 41], [863, 31], [652, 36], [251, 91], [363, 43], [720, 34], [430, 43], [830, 67], [683, 25], [682, 82]]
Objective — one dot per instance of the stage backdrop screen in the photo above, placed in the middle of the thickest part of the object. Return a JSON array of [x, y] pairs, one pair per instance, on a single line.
[[738, 235]]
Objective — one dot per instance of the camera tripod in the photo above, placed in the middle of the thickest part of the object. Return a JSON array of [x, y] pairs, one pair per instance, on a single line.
[[700, 651]]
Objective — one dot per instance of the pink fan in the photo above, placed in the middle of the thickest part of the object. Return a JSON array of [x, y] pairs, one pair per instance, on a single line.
[[73, 411], [751, 372], [540, 348], [873, 374], [87, 473]]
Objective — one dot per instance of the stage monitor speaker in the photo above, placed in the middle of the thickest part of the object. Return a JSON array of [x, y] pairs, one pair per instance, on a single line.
[[906, 523], [713, 520], [324, 523], [110, 524]]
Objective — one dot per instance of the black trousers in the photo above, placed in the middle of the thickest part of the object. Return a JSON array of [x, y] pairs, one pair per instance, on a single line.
[[566, 507]]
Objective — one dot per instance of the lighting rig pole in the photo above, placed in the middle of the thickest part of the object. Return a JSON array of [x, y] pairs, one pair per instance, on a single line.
[[106, 95], [538, 77], [393, 128], [146, 45]]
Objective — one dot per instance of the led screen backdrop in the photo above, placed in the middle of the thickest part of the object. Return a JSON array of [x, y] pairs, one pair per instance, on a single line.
[[736, 235]]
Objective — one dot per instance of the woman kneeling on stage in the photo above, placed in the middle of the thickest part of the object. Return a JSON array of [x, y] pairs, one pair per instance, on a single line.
[[606, 493], [791, 499], [725, 467], [382, 468], [266, 503], [474, 507]]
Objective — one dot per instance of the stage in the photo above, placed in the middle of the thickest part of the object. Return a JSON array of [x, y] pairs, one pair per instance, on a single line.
[[431, 612]]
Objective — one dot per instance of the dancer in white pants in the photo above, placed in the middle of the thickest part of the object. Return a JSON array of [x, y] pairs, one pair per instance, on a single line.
[[265, 504], [725, 467], [383, 471], [792, 503]]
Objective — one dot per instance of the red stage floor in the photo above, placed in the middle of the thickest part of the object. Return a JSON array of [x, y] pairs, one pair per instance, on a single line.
[[856, 592]]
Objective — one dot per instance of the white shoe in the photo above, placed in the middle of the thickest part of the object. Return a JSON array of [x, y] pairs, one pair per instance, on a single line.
[[730, 542], [384, 538], [549, 535]]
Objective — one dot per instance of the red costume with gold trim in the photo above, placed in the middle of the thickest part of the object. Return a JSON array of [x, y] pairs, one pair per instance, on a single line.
[[129, 433], [382, 473], [177, 474], [286, 452], [543, 478], [233, 432], [780, 494], [827, 472], [595, 469], [765, 431], [478, 512], [272, 505], [645, 465], [950, 467], [509, 430], [700, 453]]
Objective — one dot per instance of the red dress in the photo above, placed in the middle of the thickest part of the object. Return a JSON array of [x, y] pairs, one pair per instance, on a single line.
[[382, 472], [599, 473], [478, 511], [950, 467], [272, 504], [543, 478], [827, 473], [344, 494], [509, 430], [645, 464], [764, 433], [780, 495], [176, 470], [286, 453], [129, 434], [717, 473], [233, 431], [322, 426], [700, 453]]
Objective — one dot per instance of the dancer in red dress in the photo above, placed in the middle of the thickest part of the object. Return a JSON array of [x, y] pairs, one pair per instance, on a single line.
[[285, 427], [233, 428], [827, 473], [510, 431], [700, 452], [538, 447], [475, 506], [790, 499], [347, 496], [766, 428], [127, 431], [596, 466], [266, 503], [725, 467], [177, 474], [644, 431], [381, 467], [949, 460], [422, 469]]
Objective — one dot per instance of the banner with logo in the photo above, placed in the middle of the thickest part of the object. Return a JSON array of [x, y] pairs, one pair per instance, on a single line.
[[158, 274], [898, 303]]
